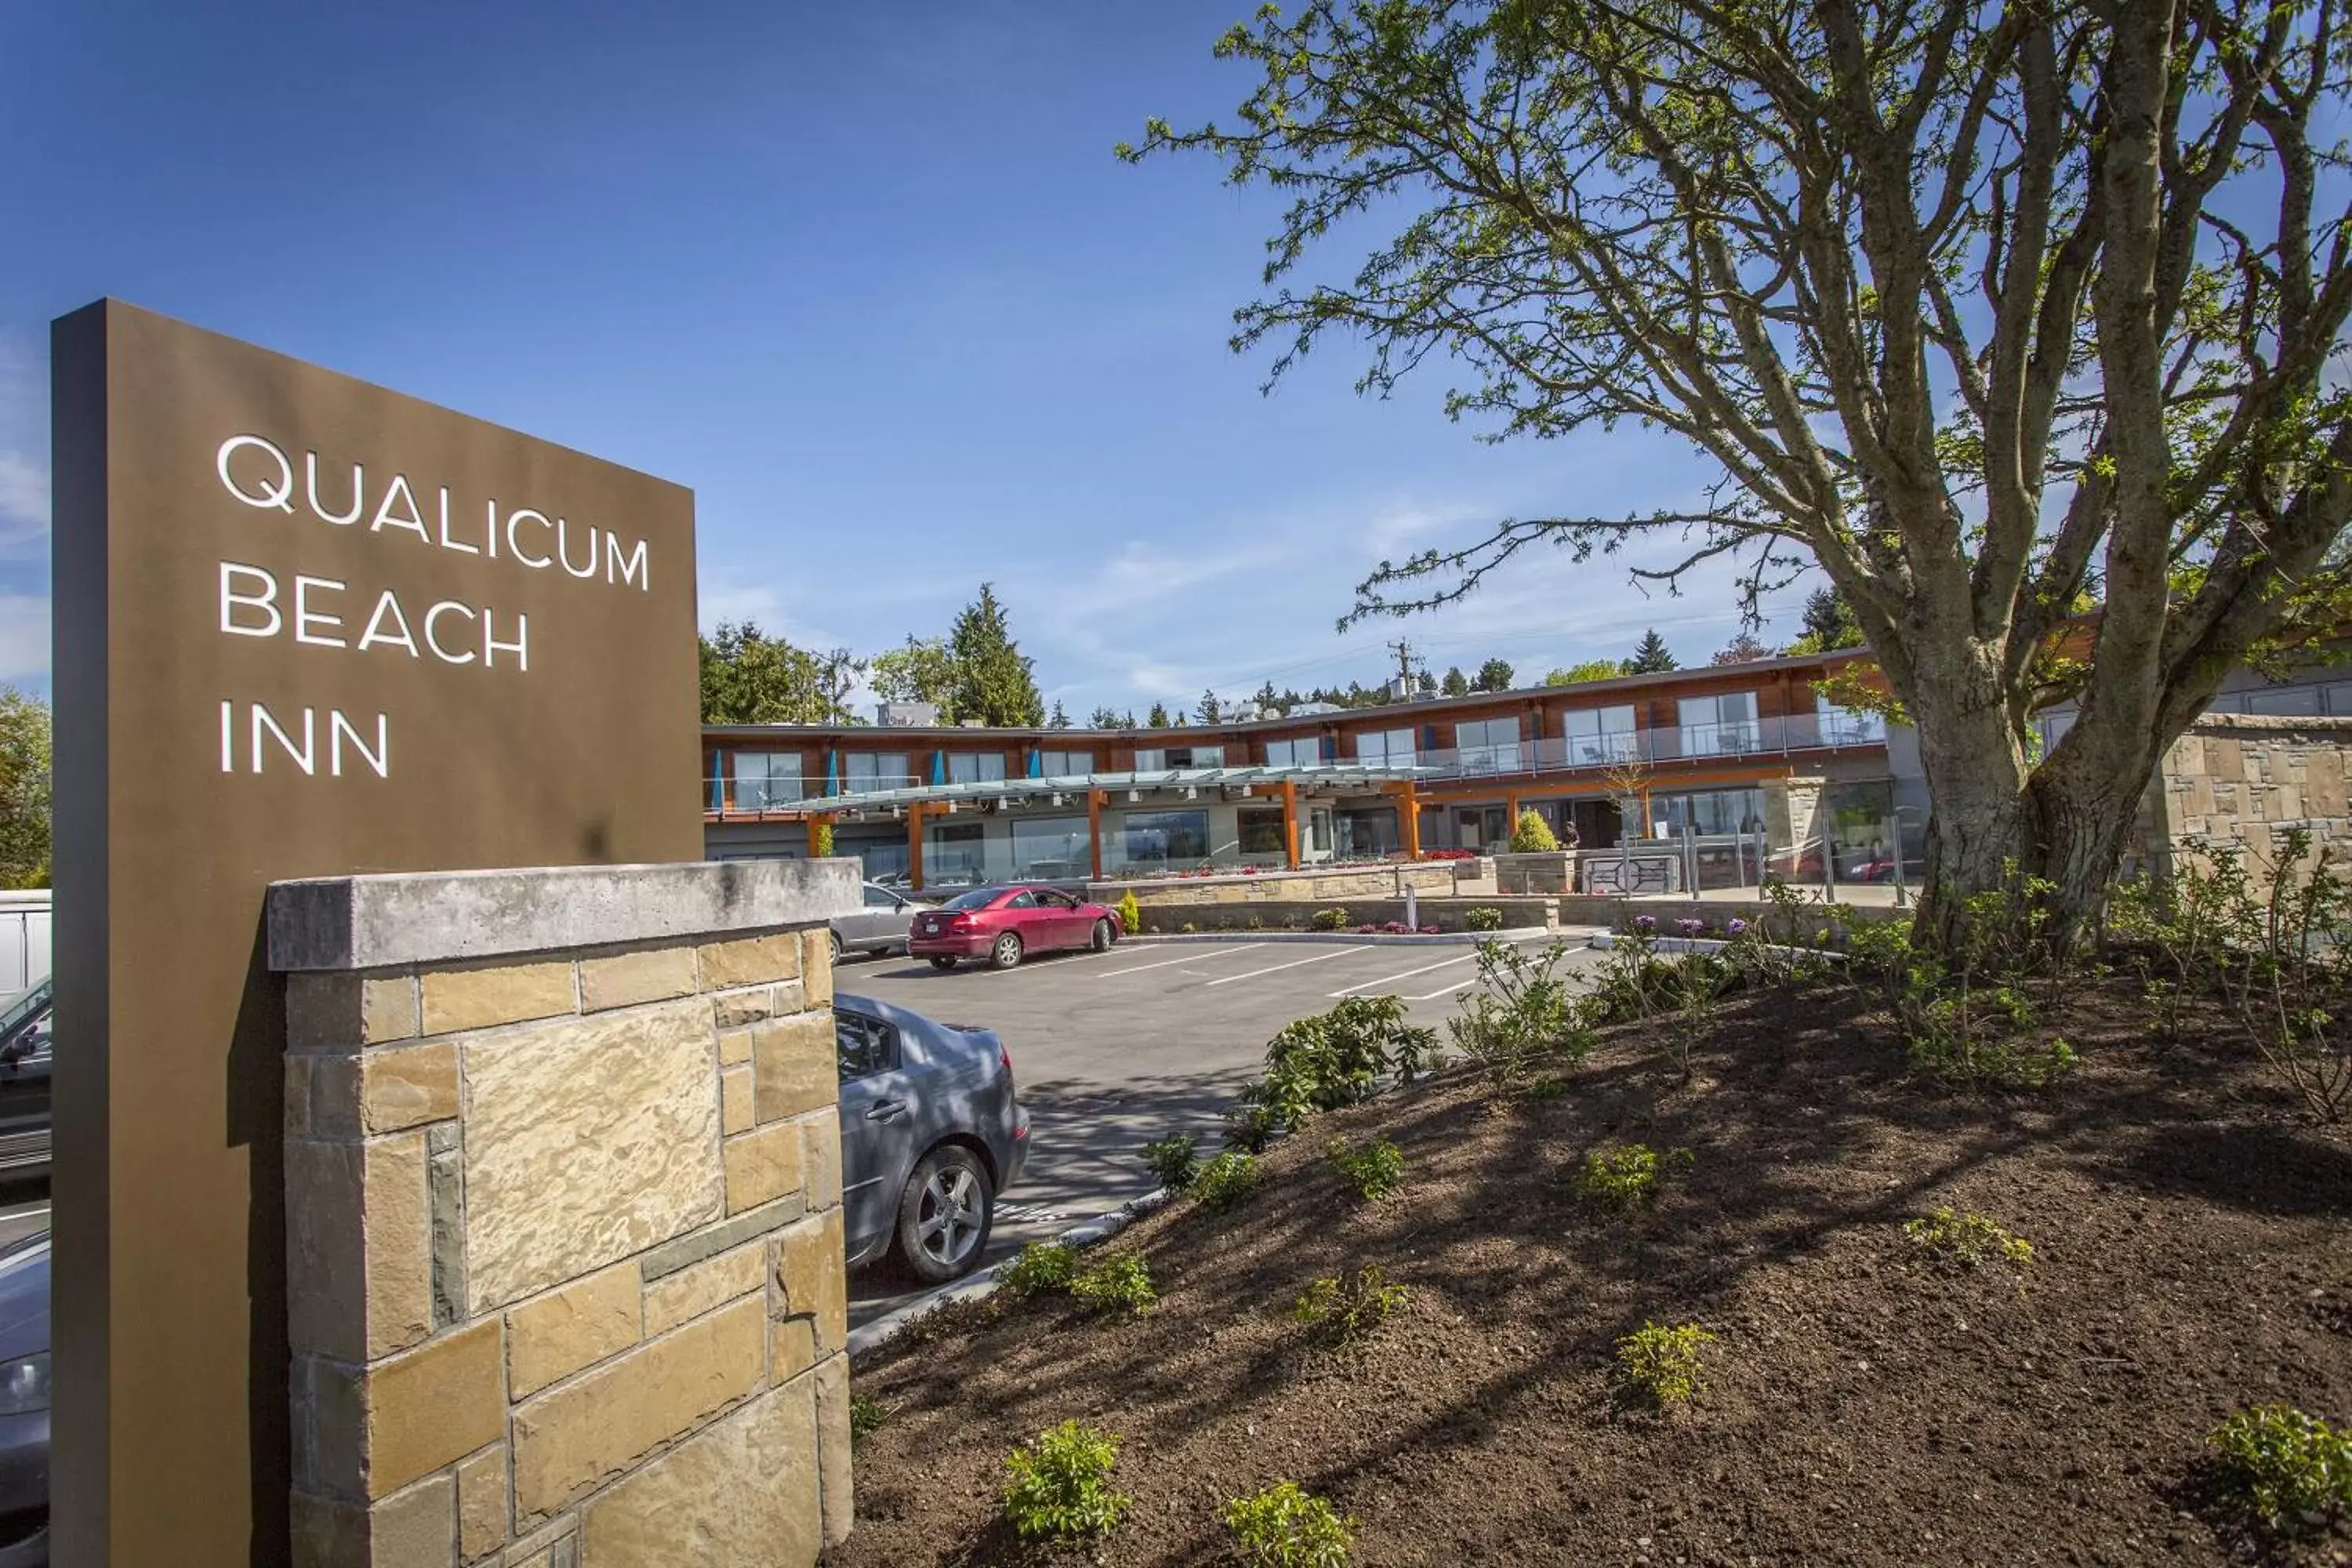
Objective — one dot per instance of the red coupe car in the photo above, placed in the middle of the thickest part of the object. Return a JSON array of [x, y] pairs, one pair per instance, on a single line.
[[1004, 925]]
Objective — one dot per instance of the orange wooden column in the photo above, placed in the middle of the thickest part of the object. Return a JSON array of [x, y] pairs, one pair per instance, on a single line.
[[1511, 808], [1409, 806], [1290, 823], [915, 844], [1094, 829]]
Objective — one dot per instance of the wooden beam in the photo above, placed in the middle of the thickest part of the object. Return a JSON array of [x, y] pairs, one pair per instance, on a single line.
[[1290, 823], [915, 846], [1094, 829]]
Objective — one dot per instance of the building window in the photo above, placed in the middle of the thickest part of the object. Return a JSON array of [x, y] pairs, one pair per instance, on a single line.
[[1367, 835], [975, 767], [764, 779], [1262, 831], [1165, 837], [1306, 754], [957, 855], [1599, 736], [1714, 726], [1488, 745], [1385, 748], [1161, 759], [2286, 701], [1709, 814], [863, 772], [1066, 764], [1052, 847], [1847, 726]]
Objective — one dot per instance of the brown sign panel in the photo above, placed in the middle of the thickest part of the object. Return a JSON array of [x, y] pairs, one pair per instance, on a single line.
[[304, 627]]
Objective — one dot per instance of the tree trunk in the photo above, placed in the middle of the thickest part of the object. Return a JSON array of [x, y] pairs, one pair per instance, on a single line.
[[1977, 819]]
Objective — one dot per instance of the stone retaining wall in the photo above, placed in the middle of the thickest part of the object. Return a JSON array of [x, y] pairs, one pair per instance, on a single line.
[[2234, 780], [565, 1252], [1330, 885], [1445, 914]]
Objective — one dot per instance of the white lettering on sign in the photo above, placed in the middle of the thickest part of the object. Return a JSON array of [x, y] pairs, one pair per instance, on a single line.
[[311, 611]]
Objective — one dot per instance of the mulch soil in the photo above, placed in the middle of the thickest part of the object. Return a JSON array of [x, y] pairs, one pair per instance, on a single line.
[[2192, 1255]]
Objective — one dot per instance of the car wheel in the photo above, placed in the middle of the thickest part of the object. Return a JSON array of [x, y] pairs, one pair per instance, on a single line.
[[838, 950], [1006, 953], [1104, 936], [945, 1215], [942, 961]]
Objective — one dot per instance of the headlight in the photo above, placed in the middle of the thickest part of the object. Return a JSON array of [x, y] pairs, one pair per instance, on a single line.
[[25, 1384]]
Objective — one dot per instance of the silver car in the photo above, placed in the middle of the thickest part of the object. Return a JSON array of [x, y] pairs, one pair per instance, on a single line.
[[880, 926], [932, 1130]]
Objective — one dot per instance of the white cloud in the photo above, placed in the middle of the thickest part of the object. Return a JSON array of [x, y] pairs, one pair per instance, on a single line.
[[24, 635], [24, 441]]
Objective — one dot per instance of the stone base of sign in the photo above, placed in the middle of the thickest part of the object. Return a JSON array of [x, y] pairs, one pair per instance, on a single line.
[[564, 1224]]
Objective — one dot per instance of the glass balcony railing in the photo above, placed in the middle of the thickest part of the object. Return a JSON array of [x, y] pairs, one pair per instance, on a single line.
[[1732, 738]]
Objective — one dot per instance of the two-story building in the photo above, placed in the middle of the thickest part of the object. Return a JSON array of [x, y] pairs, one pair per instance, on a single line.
[[1731, 758]]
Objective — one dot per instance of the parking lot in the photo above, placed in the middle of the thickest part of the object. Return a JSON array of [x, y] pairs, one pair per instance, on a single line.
[[1112, 1050]]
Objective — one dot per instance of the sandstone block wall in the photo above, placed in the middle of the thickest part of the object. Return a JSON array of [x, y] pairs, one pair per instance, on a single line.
[[1325, 886], [565, 1258], [2234, 780]]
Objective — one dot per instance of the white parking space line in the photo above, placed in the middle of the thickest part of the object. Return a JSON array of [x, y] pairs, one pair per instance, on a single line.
[[1188, 958], [1433, 996], [1391, 979], [1254, 973]]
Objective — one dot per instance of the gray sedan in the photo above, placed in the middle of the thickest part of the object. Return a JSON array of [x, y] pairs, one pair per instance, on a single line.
[[879, 926], [932, 1130]]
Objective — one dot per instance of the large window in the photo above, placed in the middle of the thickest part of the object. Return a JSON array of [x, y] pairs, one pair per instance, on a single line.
[[975, 767], [1385, 748], [863, 772], [1712, 726], [1262, 831], [1161, 759], [1846, 726], [1051, 847], [957, 855], [767, 779], [1709, 812], [1488, 745], [1162, 838], [1304, 754], [1598, 736], [1066, 764]]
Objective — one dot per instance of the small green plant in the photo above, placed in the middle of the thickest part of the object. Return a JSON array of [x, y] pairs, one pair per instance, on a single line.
[[1115, 1281], [1968, 1241], [1255, 922], [1624, 1176], [2290, 1468], [1285, 1526], [1662, 1363], [1130, 913], [1327, 1061], [820, 838], [1230, 1180], [1531, 834], [1328, 919], [1346, 1309], [868, 1416], [1175, 1160], [1043, 1267], [1485, 917], [1060, 1487], [1188, 927], [1520, 1017], [1374, 1170]]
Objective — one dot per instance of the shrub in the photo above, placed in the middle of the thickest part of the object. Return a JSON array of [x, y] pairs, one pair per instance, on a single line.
[[1662, 1363], [820, 838], [1346, 1309], [1521, 1014], [1113, 1282], [2290, 1468], [1228, 1181], [1322, 1063], [1061, 1484], [1620, 1178], [1188, 927], [1373, 1170], [1967, 1239], [1531, 834], [1286, 1527], [1485, 917], [1175, 1160], [1328, 919], [867, 1417], [1130, 913], [1043, 1266]]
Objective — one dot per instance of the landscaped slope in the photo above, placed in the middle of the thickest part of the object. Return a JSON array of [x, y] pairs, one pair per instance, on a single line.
[[1862, 1403]]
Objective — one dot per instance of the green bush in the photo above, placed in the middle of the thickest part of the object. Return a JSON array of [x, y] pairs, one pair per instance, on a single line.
[[867, 1417], [1286, 1527], [1043, 1266], [1327, 1061], [1485, 917], [1060, 1487], [1531, 834], [1130, 913], [1621, 1177], [820, 837], [1175, 1160], [1521, 1016], [1188, 927], [1115, 1281], [1328, 919], [1374, 1170], [1228, 1181], [1662, 1363], [2290, 1468], [1346, 1309], [1967, 1239]]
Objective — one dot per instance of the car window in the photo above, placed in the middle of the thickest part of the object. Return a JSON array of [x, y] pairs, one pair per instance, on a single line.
[[876, 899], [977, 898], [865, 1046], [1022, 902]]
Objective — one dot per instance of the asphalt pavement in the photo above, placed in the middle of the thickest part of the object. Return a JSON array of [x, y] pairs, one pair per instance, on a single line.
[[1115, 1049]]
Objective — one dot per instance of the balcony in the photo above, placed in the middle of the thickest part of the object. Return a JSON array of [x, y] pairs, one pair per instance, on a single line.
[[1686, 742]]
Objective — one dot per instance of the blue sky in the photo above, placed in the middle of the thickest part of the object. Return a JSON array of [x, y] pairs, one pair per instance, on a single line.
[[868, 278]]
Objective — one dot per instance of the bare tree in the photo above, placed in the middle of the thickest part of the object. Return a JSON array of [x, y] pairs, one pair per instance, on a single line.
[[1985, 306]]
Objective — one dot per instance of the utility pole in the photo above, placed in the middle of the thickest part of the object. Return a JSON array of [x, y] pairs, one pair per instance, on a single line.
[[1403, 650]]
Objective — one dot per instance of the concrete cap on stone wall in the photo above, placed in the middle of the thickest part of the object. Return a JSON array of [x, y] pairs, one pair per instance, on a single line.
[[437, 917]]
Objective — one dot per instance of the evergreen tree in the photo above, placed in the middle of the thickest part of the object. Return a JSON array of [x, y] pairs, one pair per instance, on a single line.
[[1828, 624], [1060, 720], [1102, 719], [750, 678], [993, 681], [1495, 675], [1268, 703], [1210, 710], [1650, 656], [1127, 721], [1456, 684], [1426, 684], [1157, 718]]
